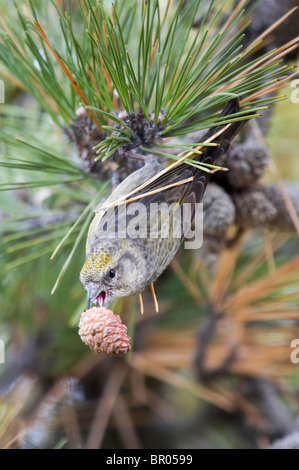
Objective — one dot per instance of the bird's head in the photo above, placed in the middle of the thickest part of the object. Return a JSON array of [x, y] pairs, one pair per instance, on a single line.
[[112, 269]]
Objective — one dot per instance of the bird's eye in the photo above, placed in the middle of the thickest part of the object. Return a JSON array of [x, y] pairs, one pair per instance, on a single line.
[[112, 273]]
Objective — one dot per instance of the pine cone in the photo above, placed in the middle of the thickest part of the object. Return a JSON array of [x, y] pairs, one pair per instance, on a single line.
[[103, 331]]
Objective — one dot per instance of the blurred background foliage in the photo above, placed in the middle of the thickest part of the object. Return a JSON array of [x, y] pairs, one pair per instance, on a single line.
[[187, 383]]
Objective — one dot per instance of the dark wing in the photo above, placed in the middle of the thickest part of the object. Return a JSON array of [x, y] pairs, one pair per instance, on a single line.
[[184, 171], [191, 192]]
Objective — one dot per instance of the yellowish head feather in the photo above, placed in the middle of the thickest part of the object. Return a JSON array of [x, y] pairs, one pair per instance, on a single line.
[[95, 262]]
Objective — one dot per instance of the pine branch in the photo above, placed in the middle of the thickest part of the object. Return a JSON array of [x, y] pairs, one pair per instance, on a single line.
[[191, 83]]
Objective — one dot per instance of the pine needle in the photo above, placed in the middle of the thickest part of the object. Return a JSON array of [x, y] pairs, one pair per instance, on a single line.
[[141, 303], [67, 73], [154, 297], [148, 193], [147, 366], [273, 27]]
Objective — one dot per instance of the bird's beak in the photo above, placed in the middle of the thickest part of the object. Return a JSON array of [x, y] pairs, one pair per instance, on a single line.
[[92, 293]]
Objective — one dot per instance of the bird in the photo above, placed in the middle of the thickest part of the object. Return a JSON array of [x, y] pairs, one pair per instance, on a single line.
[[122, 264]]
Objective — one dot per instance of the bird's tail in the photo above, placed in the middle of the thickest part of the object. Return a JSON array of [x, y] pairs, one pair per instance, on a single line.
[[208, 156], [224, 138]]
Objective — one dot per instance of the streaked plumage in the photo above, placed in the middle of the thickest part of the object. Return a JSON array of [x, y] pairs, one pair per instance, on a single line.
[[138, 262]]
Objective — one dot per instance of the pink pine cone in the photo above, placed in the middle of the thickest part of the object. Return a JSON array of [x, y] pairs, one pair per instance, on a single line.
[[103, 331]]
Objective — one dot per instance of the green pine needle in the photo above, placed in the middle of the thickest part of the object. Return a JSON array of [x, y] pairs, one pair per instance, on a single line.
[[172, 66]]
